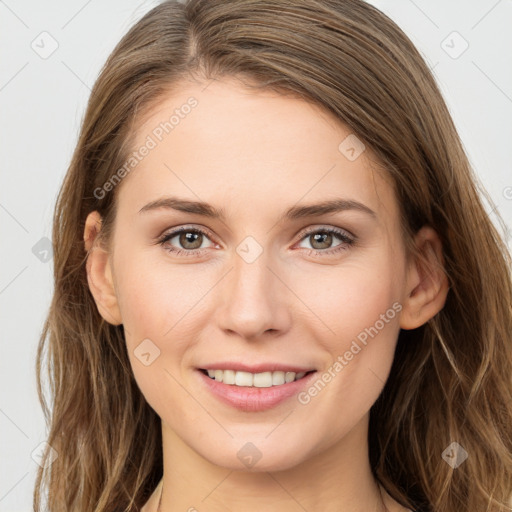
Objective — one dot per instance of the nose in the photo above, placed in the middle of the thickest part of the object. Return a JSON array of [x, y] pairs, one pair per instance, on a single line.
[[253, 300]]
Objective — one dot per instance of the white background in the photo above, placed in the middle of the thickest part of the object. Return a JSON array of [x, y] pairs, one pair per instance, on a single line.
[[42, 102]]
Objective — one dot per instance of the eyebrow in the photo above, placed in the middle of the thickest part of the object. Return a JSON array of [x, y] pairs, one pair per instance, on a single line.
[[293, 213]]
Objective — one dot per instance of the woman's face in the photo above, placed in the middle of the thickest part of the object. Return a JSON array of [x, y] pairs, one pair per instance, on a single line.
[[266, 288]]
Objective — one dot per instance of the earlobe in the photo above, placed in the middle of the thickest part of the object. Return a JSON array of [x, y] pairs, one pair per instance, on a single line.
[[427, 283], [99, 272]]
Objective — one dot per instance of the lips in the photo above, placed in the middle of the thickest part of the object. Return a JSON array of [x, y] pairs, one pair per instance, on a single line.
[[255, 368], [253, 388]]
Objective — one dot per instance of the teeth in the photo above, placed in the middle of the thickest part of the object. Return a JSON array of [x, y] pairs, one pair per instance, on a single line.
[[241, 378], [258, 380], [277, 378], [229, 377]]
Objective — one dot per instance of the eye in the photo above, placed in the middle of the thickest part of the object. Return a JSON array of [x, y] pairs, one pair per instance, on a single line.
[[191, 239], [323, 238]]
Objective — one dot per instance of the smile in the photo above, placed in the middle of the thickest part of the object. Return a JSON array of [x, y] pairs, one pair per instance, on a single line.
[[253, 391], [258, 380]]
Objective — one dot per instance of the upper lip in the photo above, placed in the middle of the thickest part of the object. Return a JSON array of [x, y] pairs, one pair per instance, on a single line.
[[256, 368]]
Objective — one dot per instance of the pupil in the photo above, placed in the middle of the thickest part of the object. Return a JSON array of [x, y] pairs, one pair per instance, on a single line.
[[324, 235], [189, 237]]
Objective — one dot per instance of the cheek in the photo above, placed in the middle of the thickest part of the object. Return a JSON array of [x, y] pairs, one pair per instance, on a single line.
[[359, 310], [160, 305], [154, 313], [157, 299], [353, 297]]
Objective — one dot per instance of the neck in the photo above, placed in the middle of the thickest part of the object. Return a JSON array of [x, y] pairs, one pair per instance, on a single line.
[[339, 478]]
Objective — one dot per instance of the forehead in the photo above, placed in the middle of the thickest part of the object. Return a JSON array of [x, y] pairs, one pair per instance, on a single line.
[[225, 144]]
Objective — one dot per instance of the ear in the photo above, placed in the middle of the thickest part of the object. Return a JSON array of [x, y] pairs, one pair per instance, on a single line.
[[99, 272], [426, 283]]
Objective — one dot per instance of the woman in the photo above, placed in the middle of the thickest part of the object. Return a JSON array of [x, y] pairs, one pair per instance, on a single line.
[[248, 371]]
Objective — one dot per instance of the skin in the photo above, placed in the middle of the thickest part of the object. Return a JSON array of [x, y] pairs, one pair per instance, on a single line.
[[255, 154]]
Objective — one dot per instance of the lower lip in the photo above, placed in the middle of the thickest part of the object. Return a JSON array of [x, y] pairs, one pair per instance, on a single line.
[[252, 399]]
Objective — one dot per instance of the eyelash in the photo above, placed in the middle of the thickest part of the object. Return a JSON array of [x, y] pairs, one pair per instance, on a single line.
[[347, 241]]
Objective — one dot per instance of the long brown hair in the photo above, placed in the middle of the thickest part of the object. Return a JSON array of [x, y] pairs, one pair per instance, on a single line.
[[451, 378]]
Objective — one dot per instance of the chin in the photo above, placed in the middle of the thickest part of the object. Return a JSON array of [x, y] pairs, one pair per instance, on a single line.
[[256, 456]]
